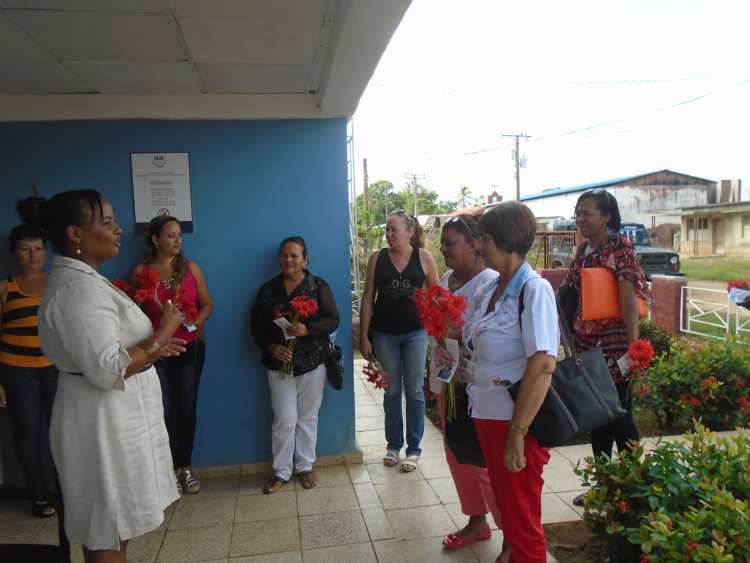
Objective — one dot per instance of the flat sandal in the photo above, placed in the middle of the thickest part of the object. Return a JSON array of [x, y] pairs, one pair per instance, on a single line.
[[273, 485]]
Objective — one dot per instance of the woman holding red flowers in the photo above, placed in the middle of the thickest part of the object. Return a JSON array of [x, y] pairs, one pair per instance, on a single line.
[[398, 337], [164, 275], [296, 368], [598, 220], [459, 243]]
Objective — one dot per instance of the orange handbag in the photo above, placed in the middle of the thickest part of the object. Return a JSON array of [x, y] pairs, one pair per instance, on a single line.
[[600, 295]]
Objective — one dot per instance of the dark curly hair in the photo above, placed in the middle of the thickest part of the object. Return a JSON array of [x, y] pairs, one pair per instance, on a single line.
[[72, 207], [30, 211]]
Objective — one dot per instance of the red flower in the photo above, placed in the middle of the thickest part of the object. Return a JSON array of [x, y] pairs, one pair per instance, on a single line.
[[743, 402], [645, 558], [689, 400], [622, 506], [374, 376], [146, 288], [691, 547], [640, 353], [708, 382], [304, 307], [122, 285], [439, 309]]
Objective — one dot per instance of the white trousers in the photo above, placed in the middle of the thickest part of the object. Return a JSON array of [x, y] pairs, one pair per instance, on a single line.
[[295, 402]]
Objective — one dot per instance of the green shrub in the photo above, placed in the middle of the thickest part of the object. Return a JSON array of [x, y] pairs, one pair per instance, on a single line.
[[710, 382], [660, 339], [684, 501]]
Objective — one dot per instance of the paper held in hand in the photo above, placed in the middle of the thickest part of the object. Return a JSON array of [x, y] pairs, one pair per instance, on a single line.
[[624, 364], [284, 325], [445, 371]]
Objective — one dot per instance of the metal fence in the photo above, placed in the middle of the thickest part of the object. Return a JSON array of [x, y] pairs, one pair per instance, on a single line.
[[708, 312]]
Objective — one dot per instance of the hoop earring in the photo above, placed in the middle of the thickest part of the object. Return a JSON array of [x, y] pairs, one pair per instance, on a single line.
[[78, 250]]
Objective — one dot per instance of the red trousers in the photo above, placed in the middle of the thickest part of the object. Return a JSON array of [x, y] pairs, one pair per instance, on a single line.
[[472, 482], [518, 495]]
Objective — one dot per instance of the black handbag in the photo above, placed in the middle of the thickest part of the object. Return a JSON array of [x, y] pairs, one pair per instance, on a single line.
[[334, 363], [582, 395], [568, 298], [460, 433]]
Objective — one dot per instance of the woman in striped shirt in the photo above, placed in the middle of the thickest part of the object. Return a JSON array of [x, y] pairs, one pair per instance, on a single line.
[[29, 378]]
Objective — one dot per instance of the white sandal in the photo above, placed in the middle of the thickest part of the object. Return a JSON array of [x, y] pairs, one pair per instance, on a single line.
[[391, 459], [409, 464]]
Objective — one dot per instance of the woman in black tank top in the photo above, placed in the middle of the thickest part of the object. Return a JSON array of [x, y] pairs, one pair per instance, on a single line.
[[398, 339]]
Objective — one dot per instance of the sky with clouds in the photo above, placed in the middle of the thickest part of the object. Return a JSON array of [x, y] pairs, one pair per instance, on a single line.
[[604, 88]]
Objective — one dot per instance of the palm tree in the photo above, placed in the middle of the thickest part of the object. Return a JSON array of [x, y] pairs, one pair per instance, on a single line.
[[464, 196]]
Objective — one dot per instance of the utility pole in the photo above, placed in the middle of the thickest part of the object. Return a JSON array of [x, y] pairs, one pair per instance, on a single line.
[[520, 162], [366, 184], [414, 177]]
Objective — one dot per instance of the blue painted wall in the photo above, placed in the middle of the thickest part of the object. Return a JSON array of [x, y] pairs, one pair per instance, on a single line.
[[253, 183]]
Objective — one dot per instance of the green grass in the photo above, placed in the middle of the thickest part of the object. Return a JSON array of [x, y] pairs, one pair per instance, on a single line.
[[716, 269]]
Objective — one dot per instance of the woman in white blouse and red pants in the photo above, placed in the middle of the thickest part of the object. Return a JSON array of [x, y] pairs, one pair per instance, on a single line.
[[507, 344]]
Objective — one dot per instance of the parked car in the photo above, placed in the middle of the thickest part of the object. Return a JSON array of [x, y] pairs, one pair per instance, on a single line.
[[653, 260]]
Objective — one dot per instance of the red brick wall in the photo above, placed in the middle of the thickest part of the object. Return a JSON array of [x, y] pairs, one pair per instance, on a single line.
[[554, 276], [667, 296]]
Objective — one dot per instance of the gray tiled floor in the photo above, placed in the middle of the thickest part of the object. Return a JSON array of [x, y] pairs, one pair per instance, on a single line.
[[359, 513]]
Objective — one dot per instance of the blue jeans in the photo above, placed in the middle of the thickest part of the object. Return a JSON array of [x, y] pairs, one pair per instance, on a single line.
[[179, 378], [30, 393], [403, 357]]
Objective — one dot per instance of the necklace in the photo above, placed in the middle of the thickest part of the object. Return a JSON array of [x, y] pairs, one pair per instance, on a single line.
[[167, 283]]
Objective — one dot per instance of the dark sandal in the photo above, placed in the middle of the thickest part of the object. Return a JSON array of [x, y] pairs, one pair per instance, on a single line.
[[273, 485], [308, 479], [43, 509]]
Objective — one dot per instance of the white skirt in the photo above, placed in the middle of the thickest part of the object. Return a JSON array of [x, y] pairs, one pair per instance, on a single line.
[[112, 455]]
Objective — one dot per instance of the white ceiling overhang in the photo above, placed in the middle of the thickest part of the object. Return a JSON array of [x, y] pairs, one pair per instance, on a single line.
[[181, 59]]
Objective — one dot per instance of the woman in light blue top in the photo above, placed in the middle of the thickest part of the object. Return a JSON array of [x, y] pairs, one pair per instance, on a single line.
[[512, 335]]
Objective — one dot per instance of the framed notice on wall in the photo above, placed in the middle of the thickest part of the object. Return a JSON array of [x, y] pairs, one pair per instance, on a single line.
[[161, 186]]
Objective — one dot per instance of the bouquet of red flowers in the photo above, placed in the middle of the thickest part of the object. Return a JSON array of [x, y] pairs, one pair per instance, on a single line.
[[301, 307], [640, 354], [144, 289], [438, 310], [738, 284], [375, 374]]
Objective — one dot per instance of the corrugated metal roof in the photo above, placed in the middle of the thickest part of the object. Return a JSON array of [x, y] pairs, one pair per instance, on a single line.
[[583, 187]]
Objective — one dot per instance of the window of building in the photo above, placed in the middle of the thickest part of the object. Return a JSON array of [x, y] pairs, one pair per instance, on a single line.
[[697, 229], [746, 226]]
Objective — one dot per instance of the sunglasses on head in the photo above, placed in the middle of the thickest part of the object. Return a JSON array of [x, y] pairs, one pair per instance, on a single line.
[[461, 221]]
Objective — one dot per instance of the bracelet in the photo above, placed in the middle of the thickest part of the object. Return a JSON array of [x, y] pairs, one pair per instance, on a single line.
[[522, 430], [153, 348]]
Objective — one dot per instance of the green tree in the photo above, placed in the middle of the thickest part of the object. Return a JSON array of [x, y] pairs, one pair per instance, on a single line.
[[428, 202], [465, 197], [371, 222], [378, 194]]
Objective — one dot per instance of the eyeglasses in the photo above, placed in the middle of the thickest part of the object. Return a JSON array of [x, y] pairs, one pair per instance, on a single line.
[[460, 220], [409, 218]]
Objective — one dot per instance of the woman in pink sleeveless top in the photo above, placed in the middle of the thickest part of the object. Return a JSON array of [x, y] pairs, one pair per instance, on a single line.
[[181, 281]]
